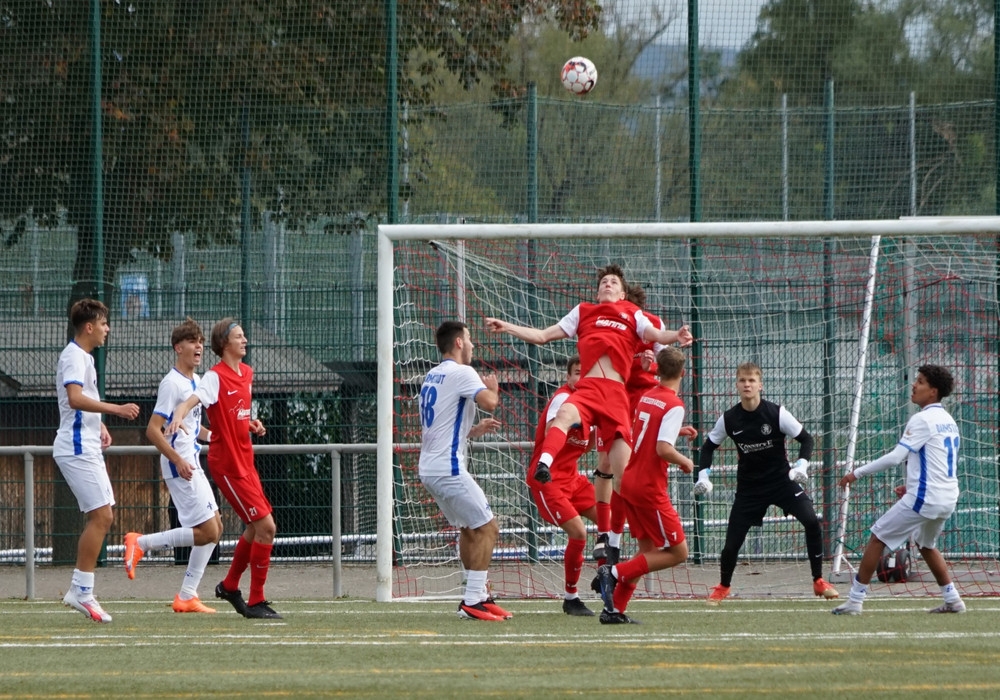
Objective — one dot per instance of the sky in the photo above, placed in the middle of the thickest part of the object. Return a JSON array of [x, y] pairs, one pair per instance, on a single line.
[[727, 22], [721, 23]]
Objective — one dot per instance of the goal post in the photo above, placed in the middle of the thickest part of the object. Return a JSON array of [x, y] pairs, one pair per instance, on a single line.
[[783, 294]]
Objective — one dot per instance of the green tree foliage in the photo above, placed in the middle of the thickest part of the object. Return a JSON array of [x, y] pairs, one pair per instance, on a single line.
[[196, 95], [876, 54]]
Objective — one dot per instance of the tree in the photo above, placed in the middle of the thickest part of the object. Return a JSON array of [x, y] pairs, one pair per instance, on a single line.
[[183, 83]]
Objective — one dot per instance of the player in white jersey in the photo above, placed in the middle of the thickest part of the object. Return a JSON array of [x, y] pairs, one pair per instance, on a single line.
[[80, 441], [187, 482], [448, 399], [930, 447]]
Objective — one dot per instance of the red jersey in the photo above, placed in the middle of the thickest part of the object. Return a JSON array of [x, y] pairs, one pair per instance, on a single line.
[[640, 381], [228, 401], [658, 418], [611, 329], [565, 465]]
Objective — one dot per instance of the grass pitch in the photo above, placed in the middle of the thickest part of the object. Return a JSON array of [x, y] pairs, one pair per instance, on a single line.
[[351, 648]]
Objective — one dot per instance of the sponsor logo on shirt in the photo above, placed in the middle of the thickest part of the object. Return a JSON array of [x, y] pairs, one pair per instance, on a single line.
[[610, 323]]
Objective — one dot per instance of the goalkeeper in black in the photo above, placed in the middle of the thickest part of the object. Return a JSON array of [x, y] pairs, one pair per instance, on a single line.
[[763, 476]]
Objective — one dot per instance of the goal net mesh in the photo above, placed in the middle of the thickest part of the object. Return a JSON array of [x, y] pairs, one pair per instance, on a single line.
[[794, 306]]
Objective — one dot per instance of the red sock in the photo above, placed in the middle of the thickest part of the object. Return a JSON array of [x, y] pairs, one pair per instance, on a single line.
[[554, 441], [617, 513], [241, 560], [260, 560], [623, 594], [573, 563], [634, 568], [603, 516]]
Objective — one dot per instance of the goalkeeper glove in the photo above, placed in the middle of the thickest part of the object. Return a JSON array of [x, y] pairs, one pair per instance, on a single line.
[[799, 472], [703, 486]]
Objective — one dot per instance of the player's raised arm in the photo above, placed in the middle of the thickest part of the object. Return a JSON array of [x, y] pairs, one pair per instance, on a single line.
[[534, 336], [682, 335]]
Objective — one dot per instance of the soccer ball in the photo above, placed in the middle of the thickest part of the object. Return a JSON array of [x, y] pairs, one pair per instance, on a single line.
[[579, 75]]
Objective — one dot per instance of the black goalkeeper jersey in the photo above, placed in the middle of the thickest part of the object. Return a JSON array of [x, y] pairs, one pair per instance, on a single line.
[[760, 443]]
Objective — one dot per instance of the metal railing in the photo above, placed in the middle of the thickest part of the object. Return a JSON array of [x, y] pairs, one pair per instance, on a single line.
[[28, 452]]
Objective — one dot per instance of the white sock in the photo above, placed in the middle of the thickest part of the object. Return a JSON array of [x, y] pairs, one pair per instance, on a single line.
[[614, 539], [178, 537], [950, 593], [858, 591], [83, 583], [196, 569], [475, 587], [571, 596], [546, 459]]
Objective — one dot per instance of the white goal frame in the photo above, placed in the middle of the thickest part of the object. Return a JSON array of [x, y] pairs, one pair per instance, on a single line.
[[389, 233]]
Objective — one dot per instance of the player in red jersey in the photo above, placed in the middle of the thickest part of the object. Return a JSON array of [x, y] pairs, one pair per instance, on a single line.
[[606, 334], [642, 378], [653, 521], [569, 496], [225, 391]]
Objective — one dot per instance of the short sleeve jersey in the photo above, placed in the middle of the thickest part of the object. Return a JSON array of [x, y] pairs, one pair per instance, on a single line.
[[447, 411], [227, 397], [611, 329], [79, 432], [566, 463], [175, 388], [759, 436], [659, 416], [931, 436]]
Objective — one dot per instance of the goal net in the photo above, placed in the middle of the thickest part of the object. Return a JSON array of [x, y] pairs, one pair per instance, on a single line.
[[837, 314]]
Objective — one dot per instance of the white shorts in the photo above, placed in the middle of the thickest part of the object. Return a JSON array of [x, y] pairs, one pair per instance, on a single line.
[[194, 500], [901, 521], [460, 499], [88, 478]]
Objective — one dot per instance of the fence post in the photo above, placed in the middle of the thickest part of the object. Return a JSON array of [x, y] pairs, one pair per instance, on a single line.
[[335, 533], [29, 526]]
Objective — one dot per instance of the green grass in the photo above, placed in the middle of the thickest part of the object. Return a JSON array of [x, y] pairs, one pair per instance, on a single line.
[[351, 648]]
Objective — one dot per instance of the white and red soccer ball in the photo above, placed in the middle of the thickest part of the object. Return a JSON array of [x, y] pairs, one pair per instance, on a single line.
[[579, 75]]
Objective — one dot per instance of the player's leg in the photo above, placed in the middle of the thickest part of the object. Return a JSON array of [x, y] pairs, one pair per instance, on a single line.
[[567, 416], [891, 530], [603, 489], [88, 480], [745, 513], [136, 544], [253, 549], [797, 503], [206, 538], [660, 536], [464, 505], [926, 539]]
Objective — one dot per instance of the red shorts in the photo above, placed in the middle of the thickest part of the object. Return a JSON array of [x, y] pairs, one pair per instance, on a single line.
[[656, 521], [562, 500], [245, 494], [603, 403]]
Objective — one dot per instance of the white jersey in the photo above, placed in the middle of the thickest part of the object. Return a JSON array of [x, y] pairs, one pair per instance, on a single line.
[[931, 436], [79, 431], [447, 412], [174, 389]]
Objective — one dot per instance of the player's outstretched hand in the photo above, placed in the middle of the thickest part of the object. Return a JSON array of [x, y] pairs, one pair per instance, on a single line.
[[688, 431], [257, 428], [496, 325], [684, 336]]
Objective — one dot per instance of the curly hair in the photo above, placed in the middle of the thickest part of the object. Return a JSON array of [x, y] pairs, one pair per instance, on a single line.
[[938, 377]]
